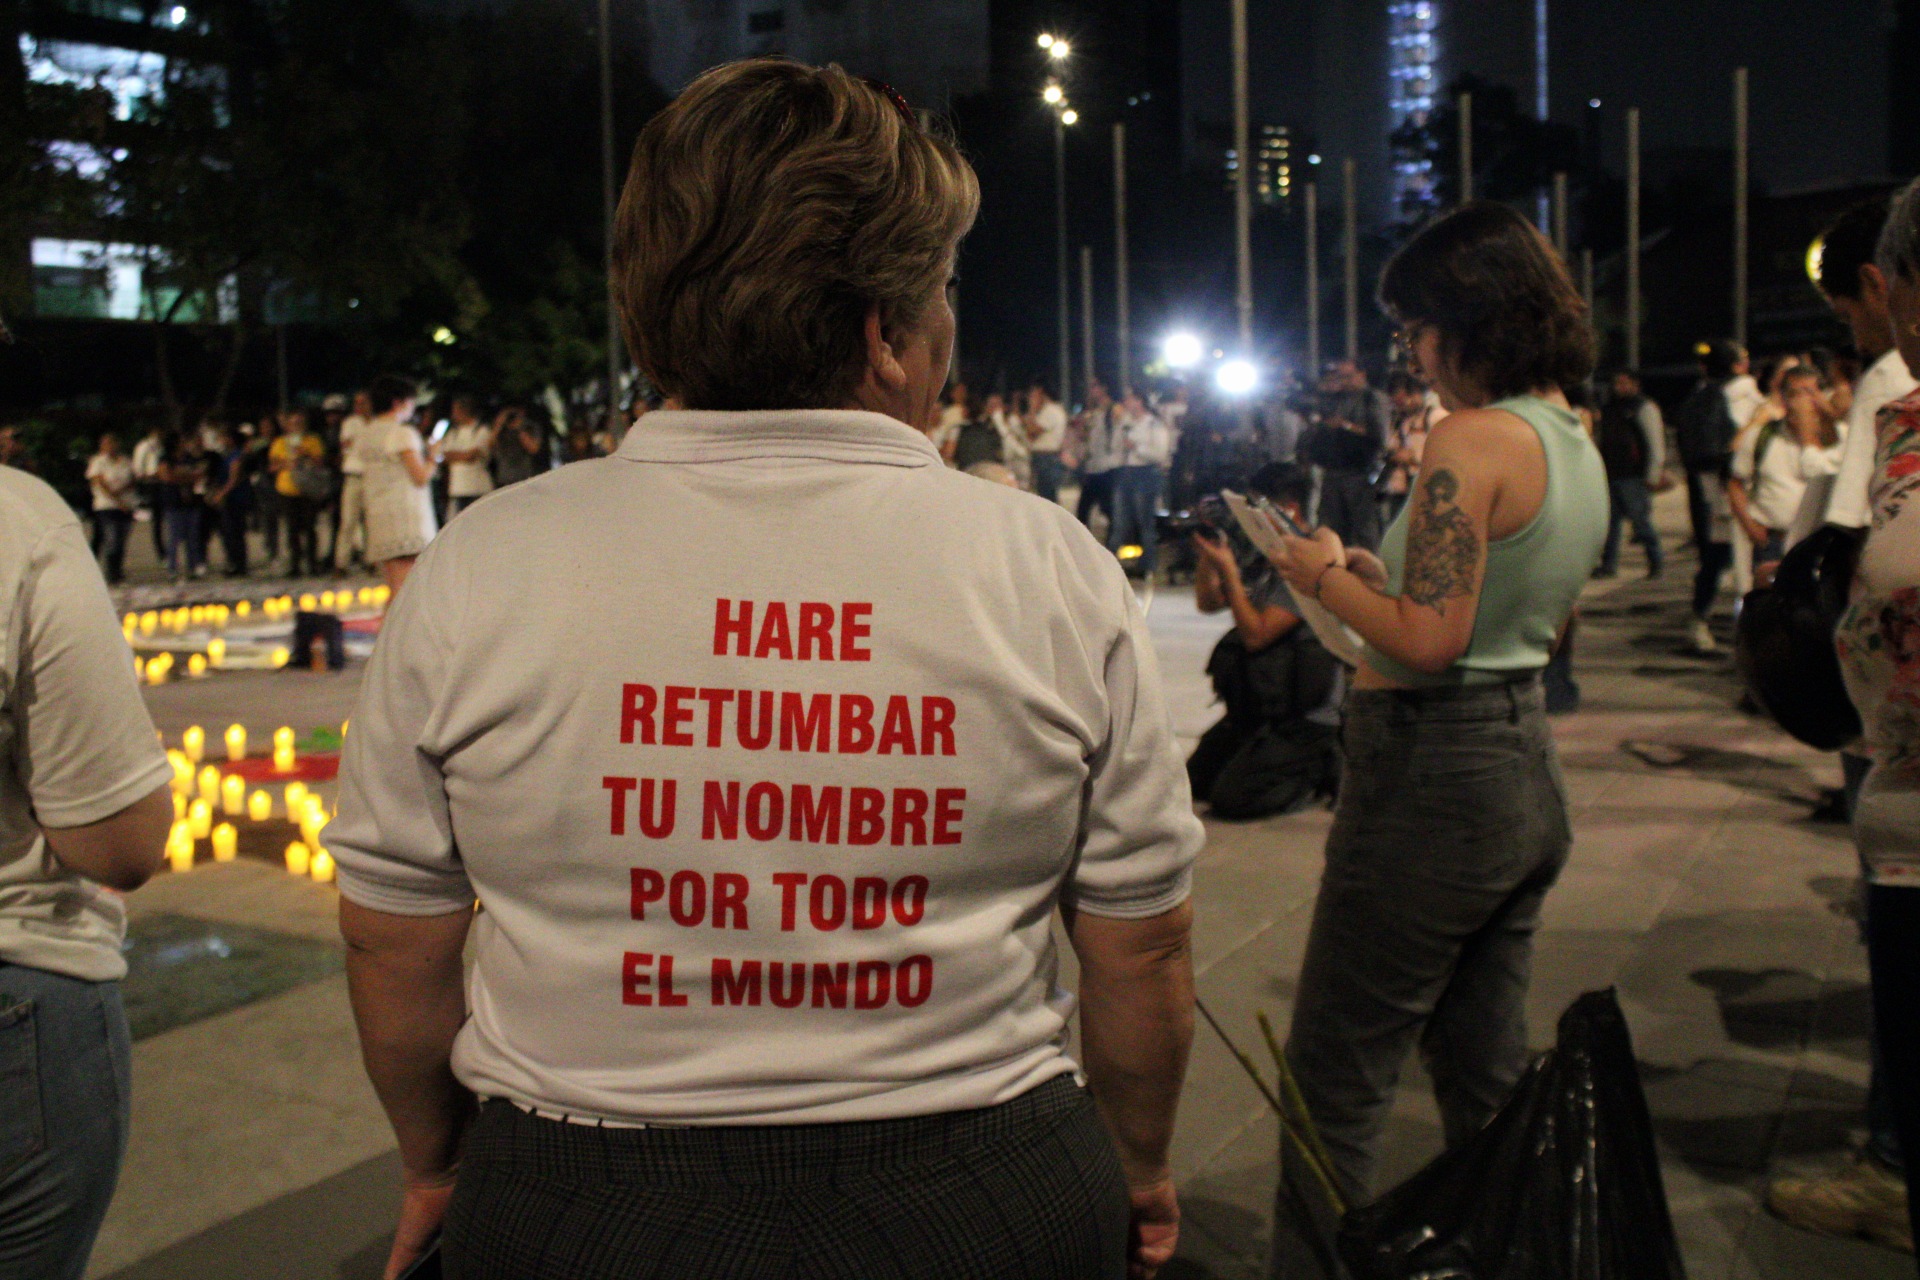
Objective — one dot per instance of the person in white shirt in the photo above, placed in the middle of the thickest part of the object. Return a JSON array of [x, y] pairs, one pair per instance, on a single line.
[[467, 449], [1773, 463], [85, 807], [110, 479], [350, 526], [953, 416], [770, 753], [1094, 430], [398, 472], [1014, 451], [149, 455], [1046, 423], [1868, 1196], [1142, 448]]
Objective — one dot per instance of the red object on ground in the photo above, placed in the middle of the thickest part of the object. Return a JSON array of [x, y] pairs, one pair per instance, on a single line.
[[320, 766], [362, 626]]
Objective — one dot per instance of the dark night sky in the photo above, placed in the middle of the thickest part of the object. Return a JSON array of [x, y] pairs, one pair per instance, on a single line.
[[1819, 70]]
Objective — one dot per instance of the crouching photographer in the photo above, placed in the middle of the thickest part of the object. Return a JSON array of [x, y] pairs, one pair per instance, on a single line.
[[1275, 749]]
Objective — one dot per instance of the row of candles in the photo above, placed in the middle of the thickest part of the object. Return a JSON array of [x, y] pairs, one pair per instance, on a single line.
[[160, 667], [196, 793]]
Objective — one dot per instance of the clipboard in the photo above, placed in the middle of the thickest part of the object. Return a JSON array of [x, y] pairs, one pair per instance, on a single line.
[[1261, 529]]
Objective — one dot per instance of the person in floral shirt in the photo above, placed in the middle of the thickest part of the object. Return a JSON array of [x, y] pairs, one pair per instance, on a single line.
[[1878, 641]]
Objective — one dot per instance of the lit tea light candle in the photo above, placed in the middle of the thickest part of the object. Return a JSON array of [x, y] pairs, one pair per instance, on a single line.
[[182, 769], [209, 780], [283, 756], [197, 615], [130, 623], [322, 867], [296, 800], [157, 668], [309, 602], [233, 796], [236, 742], [382, 594], [180, 847], [326, 599], [217, 651], [179, 807], [243, 609], [197, 665], [298, 858], [219, 614], [139, 669], [226, 842], [281, 656], [193, 744], [200, 819], [343, 729], [366, 595], [260, 806]]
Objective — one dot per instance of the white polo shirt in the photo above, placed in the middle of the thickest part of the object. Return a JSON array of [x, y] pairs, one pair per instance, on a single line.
[[769, 758], [76, 743]]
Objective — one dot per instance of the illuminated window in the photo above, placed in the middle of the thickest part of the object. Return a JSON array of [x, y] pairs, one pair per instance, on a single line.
[[130, 76]]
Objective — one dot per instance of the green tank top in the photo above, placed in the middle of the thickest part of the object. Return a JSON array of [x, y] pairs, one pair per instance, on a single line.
[[1532, 578]]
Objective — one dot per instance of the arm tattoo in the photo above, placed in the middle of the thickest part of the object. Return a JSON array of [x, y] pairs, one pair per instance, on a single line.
[[1443, 549]]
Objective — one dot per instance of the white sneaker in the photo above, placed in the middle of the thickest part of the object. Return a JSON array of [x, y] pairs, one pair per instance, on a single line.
[[1702, 636]]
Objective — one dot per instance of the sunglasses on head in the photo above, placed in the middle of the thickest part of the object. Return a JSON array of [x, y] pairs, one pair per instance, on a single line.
[[892, 95]]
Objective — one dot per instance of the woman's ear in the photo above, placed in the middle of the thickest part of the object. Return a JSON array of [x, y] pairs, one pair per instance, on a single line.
[[883, 362]]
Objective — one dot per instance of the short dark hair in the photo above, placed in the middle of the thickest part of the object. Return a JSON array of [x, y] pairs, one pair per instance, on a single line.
[[1509, 317], [1282, 482], [1399, 381], [1719, 358], [1848, 244], [388, 390]]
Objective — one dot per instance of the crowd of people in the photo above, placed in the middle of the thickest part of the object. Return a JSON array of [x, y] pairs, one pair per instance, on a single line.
[[315, 490], [818, 1031]]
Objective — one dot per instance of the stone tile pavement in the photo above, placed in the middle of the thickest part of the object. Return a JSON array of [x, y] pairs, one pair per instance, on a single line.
[[1698, 886]]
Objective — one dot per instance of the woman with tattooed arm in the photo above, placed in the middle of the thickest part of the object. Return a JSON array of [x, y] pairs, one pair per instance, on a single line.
[[1452, 819]]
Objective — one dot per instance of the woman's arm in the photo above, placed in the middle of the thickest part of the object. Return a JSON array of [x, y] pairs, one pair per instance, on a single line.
[[1136, 1029], [1217, 585], [1429, 625], [418, 471], [404, 979]]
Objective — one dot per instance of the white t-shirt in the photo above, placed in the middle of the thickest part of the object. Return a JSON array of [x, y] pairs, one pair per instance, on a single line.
[[809, 885], [1886, 380], [1141, 440], [1051, 418], [1775, 489], [76, 743], [1103, 446], [352, 427], [469, 479], [147, 456], [111, 481]]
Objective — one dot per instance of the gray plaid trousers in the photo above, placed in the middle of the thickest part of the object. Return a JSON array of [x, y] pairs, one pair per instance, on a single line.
[[1028, 1190]]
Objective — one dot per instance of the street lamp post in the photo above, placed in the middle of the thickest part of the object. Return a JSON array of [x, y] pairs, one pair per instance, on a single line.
[[1060, 254]]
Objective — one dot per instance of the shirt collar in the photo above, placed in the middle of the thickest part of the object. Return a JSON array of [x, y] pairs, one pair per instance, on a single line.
[[831, 435]]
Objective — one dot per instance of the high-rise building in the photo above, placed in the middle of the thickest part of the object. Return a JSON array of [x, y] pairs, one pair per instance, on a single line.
[[1413, 77], [932, 51]]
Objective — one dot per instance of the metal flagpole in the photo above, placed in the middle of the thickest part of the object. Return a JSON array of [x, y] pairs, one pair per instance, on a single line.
[[1350, 256], [615, 427], [1633, 237], [1120, 264], [1740, 183], [1087, 362], [1242, 188], [1313, 280], [1466, 147], [1060, 254], [1560, 214]]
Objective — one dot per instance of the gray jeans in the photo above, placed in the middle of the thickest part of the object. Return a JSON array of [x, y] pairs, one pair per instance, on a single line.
[[65, 1069], [1452, 825]]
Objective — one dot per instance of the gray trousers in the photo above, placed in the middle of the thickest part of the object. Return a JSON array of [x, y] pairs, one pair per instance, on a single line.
[[1451, 827]]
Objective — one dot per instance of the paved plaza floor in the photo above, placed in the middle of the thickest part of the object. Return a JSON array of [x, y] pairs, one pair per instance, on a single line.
[[1700, 887]]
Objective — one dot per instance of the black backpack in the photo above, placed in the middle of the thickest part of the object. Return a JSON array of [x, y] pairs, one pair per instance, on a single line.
[[1704, 428], [1784, 643]]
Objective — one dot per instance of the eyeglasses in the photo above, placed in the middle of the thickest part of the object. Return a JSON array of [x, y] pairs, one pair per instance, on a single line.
[[894, 96], [1406, 337]]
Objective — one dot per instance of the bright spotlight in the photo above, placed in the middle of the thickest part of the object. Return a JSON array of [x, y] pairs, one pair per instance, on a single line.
[[177, 16], [1052, 95], [1069, 116], [1059, 50], [1182, 351], [1237, 378], [1046, 40]]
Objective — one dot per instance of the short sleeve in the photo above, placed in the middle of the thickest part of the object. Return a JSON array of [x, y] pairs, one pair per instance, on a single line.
[[1140, 835], [86, 747], [392, 841]]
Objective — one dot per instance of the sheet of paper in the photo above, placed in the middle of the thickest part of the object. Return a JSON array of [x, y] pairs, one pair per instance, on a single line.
[[1335, 636]]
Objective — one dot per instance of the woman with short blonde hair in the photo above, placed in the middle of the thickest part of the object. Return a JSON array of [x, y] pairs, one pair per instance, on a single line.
[[770, 760]]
